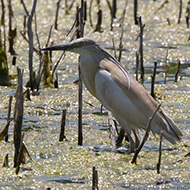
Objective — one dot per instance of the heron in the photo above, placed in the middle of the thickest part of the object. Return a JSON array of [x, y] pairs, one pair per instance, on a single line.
[[127, 99]]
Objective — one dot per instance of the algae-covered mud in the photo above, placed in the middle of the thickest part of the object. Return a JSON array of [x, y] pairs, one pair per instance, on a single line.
[[65, 165]]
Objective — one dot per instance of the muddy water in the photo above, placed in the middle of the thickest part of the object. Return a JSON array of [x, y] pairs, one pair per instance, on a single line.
[[65, 165]]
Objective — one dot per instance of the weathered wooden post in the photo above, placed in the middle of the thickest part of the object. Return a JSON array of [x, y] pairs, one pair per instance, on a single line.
[[81, 27], [31, 46], [135, 11], [141, 49], [62, 132], [153, 79], [94, 179], [160, 153], [18, 116]]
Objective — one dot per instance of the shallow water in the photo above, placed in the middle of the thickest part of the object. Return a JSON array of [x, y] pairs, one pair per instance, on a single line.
[[65, 165]]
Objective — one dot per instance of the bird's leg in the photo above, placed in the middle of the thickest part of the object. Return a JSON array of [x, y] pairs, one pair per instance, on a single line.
[[120, 137], [131, 144], [137, 141]]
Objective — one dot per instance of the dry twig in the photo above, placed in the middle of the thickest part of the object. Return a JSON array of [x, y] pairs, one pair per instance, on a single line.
[[148, 127]]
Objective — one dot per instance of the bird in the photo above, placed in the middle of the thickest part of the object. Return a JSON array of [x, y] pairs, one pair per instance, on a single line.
[[121, 94]]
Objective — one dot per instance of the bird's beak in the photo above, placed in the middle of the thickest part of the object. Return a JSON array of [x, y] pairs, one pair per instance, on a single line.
[[61, 47]]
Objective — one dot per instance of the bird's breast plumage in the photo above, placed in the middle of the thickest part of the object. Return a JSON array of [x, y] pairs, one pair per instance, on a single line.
[[89, 69]]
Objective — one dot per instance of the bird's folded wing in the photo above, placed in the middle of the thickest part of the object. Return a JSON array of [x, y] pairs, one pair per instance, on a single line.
[[137, 94], [141, 101]]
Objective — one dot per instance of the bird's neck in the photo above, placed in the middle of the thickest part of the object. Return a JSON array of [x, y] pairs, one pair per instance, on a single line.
[[89, 67]]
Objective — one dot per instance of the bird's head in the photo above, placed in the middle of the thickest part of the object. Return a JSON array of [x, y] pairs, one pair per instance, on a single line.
[[80, 46]]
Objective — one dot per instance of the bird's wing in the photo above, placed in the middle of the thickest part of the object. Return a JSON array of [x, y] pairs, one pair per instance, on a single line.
[[133, 103], [135, 94]]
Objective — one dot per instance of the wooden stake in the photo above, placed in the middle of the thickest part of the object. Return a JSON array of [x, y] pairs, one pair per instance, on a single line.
[[94, 179], [180, 11], [18, 116], [77, 22], [81, 26], [85, 11], [135, 11], [56, 85], [153, 79], [187, 14], [160, 153], [166, 66], [141, 49], [14, 60], [56, 14], [114, 8], [2, 21], [62, 132], [20, 157], [8, 117], [137, 65], [82, 19], [30, 35], [80, 136], [12, 33], [99, 22]]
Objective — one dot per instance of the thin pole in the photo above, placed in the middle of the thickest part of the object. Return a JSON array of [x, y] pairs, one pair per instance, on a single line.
[[153, 79], [160, 153], [135, 11], [30, 36], [80, 137], [145, 136], [141, 49], [62, 132]]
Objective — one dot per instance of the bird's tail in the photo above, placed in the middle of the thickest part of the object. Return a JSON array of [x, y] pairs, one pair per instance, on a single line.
[[172, 132]]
